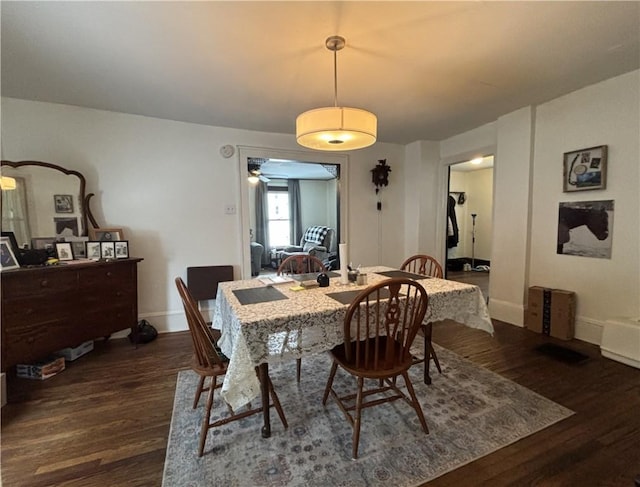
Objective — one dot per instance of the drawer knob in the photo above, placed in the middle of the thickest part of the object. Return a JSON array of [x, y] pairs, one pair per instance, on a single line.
[[109, 274], [119, 294], [31, 340], [44, 283]]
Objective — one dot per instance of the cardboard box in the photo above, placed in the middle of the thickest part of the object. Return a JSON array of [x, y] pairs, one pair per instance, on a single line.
[[41, 370], [551, 312], [72, 353]]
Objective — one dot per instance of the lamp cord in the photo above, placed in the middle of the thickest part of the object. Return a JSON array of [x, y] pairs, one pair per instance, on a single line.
[[335, 78]]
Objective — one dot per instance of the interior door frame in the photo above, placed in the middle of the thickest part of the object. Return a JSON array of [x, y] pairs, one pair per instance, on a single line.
[[245, 152], [445, 165]]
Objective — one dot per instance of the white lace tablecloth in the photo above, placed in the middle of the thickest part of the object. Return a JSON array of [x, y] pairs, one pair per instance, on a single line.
[[309, 322]]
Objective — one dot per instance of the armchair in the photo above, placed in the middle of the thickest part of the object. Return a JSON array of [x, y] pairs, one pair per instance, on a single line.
[[319, 241]]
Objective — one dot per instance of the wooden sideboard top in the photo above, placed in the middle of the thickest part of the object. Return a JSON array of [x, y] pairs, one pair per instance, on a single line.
[[68, 266]]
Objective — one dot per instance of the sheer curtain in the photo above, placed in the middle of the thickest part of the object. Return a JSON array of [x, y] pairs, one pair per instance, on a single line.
[[262, 221], [15, 217], [295, 218]]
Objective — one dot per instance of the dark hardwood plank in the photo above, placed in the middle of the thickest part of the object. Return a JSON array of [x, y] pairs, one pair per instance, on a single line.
[[105, 420]]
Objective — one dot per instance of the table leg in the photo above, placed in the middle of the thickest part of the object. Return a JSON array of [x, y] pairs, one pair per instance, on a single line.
[[426, 330], [263, 375]]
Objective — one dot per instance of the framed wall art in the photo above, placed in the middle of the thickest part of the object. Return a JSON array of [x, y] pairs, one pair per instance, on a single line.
[[63, 203], [585, 169]]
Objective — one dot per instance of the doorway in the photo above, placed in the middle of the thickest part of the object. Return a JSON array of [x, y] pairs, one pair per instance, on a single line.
[[322, 177], [470, 222]]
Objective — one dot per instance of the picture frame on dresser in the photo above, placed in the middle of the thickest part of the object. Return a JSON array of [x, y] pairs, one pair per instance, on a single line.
[[122, 249], [107, 250], [8, 259], [93, 250], [43, 243], [106, 234], [63, 251]]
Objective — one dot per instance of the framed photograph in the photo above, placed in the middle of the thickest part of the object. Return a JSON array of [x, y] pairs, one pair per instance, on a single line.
[[585, 228], [63, 203], [78, 246], [106, 234], [122, 249], [585, 169], [46, 243], [14, 243], [107, 250], [63, 249], [66, 227], [7, 257], [93, 250]]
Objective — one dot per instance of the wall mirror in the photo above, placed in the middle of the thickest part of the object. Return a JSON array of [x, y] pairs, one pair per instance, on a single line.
[[42, 201]]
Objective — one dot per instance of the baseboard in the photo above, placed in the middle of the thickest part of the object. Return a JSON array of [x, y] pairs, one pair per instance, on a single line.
[[621, 341], [505, 311], [588, 330]]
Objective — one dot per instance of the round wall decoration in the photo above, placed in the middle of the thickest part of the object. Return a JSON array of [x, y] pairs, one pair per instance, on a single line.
[[227, 151]]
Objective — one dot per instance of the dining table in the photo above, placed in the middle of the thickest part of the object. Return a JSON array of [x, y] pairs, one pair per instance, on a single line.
[[263, 324]]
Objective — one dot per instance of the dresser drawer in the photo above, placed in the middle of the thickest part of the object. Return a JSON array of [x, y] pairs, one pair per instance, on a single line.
[[37, 341], [103, 322], [107, 277], [19, 312], [38, 284]]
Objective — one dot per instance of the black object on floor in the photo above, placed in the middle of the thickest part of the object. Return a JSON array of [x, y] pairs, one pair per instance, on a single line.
[[561, 353]]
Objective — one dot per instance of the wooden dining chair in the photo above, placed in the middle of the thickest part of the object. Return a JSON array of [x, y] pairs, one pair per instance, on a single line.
[[379, 328], [209, 362], [425, 265], [300, 264]]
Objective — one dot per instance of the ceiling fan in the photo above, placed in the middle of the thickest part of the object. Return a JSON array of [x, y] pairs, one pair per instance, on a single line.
[[255, 175]]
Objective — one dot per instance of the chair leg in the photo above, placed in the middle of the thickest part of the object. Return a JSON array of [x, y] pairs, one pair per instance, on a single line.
[[435, 358], [356, 420], [207, 418], [414, 401], [198, 392], [298, 368], [276, 403], [332, 374]]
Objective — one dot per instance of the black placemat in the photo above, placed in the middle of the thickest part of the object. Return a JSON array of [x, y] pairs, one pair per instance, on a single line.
[[347, 297], [312, 276], [410, 275], [258, 295]]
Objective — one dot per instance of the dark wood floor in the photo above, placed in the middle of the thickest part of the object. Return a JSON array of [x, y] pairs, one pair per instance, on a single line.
[[105, 420]]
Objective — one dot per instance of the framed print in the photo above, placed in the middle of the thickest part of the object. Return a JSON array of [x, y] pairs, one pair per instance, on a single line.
[[63, 203], [585, 228], [122, 249], [7, 257], [12, 240], [585, 169], [93, 250], [63, 249], [45, 243], [78, 246], [106, 234], [66, 227], [107, 250]]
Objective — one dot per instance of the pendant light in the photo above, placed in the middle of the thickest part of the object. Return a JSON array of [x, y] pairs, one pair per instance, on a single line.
[[336, 128]]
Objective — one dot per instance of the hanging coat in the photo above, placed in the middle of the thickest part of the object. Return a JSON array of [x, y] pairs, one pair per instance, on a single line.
[[452, 236]]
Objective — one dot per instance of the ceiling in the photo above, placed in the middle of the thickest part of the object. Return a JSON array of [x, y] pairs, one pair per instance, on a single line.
[[428, 70]]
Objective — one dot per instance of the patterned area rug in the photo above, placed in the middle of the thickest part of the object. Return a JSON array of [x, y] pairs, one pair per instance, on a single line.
[[470, 411]]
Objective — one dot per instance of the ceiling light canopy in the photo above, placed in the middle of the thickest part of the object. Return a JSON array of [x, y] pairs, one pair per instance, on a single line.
[[336, 128]]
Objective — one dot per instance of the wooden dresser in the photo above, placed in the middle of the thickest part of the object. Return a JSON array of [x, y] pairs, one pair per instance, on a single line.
[[45, 309]]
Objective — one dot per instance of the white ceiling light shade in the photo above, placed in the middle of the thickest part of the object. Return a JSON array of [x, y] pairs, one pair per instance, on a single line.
[[336, 128]]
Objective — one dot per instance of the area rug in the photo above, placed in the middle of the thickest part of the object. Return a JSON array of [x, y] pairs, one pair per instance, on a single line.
[[470, 411]]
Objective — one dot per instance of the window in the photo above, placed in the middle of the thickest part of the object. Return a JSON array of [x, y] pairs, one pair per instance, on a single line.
[[278, 200]]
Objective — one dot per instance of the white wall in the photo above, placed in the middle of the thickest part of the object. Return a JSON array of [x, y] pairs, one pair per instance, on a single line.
[[167, 185], [607, 113]]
